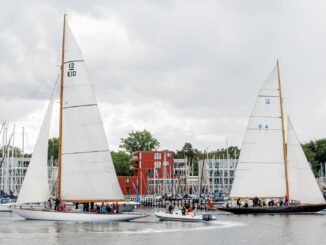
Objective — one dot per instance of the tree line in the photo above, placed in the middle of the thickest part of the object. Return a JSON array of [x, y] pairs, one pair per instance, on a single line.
[[315, 152]]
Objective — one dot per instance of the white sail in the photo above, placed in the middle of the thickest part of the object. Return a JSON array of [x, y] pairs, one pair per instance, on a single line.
[[35, 187], [302, 183], [87, 168], [260, 170]]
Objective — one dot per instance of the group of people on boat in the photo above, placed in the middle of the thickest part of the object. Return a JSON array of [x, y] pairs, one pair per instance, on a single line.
[[257, 202], [114, 208], [186, 209], [87, 207]]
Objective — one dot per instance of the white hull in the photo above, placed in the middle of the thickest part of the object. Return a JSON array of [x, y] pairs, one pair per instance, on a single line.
[[163, 216], [6, 207], [73, 216]]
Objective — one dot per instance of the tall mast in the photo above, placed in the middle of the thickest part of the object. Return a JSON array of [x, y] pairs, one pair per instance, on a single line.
[[61, 98], [283, 131]]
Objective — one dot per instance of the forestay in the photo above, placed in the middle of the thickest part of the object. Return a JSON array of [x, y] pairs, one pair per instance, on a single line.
[[87, 168], [35, 187], [260, 170], [302, 183]]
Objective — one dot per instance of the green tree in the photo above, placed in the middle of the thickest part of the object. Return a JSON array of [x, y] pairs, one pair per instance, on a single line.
[[122, 163], [315, 152], [53, 148], [233, 152], [139, 141], [192, 154]]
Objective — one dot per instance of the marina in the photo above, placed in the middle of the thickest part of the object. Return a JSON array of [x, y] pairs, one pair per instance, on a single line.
[[165, 123]]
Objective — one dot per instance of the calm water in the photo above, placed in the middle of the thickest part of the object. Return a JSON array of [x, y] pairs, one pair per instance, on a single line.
[[228, 229]]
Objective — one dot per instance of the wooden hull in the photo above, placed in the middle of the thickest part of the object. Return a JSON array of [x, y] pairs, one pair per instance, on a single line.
[[305, 208], [34, 214]]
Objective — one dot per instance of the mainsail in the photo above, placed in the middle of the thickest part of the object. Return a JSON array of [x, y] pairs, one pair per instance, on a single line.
[[260, 170], [87, 171], [35, 187], [302, 183]]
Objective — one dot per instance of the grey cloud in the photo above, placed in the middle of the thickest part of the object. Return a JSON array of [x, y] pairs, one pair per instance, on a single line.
[[186, 70]]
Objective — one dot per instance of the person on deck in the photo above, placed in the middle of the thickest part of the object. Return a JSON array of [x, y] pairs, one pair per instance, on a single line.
[[246, 205], [56, 204], [190, 209], [50, 203], [108, 208], [170, 209], [286, 200], [183, 211], [281, 202], [117, 207], [103, 208], [255, 202], [239, 202], [98, 209]]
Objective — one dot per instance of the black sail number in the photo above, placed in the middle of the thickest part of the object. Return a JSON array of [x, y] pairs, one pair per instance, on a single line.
[[71, 72]]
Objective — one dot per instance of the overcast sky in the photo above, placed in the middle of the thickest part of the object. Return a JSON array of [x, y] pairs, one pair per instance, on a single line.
[[188, 71]]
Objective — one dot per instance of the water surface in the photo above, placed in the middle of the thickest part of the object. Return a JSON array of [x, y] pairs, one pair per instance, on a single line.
[[228, 229]]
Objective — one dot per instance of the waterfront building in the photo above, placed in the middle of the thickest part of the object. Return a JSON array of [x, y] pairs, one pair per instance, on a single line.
[[152, 174], [13, 170], [216, 175]]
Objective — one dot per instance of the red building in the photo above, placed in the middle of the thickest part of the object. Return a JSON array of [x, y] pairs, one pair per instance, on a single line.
[[150, 170]]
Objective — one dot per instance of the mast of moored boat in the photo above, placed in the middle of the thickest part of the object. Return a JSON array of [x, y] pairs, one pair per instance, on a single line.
[[283, 131], [61, 98]]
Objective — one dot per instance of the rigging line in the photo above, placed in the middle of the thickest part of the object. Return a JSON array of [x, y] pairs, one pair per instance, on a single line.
[[263, 129], [2, 127], [267, 96], [266, 117], [76, 106], [72, 61], [82, 152]]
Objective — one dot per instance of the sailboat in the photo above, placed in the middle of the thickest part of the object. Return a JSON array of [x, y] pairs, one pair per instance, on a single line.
[[269, 167], [85, 169]]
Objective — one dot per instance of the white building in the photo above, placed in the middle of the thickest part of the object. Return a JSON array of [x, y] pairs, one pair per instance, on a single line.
[[216, 176], [12, 173]]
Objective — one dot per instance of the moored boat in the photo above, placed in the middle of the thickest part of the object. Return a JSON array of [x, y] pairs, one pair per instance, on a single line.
[[6, 207], [273, 167]]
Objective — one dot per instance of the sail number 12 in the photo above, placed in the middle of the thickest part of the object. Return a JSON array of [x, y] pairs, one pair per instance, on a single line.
[[71, 72]]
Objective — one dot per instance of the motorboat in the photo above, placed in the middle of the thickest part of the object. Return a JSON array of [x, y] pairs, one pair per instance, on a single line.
[[177, 215]]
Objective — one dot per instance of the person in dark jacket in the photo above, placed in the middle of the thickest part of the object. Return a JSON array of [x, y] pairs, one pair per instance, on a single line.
[[239, 202], [56, 204]]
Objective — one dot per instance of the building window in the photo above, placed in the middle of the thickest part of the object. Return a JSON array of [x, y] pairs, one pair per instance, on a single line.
[[157, 155], [127, 180], [157, 164], [128, 190], [169, 154]]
